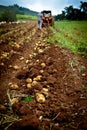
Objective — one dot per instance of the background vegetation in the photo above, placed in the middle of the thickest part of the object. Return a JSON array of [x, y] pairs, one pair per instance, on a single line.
[[71, 13], [13, 13], [71, 34]]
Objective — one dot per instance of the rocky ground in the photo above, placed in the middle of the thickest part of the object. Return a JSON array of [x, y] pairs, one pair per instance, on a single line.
[[42, 86]]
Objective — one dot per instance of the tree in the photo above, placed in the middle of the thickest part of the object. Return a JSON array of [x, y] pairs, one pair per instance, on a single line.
[[60, 16], [8, 16], [69, 12], [83, 8]]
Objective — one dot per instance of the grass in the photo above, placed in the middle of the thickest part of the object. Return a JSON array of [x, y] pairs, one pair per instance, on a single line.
[[25, 17], [28, 99], [70, 34]]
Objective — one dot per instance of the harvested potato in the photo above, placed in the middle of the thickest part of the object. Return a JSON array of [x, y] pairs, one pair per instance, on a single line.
[[14, 86], [27, 61], [40, 98], [16, 67], [40, 50], [29, 86], [45, 91], [21, 58], [38, 78], [29, 80], [16, 45], [34, 83], [43, 65], [37, 60], [41, 71]]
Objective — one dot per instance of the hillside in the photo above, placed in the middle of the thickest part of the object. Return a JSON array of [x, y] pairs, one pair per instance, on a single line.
[[17, 9]]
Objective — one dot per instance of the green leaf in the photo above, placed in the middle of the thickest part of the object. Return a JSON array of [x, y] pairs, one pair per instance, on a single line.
[[28, 99]]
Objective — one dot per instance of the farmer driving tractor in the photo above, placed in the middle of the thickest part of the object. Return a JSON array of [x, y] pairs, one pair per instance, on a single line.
[[39, 20], [45, 19]]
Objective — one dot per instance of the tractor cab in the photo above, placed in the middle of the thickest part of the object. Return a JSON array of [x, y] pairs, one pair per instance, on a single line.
[[47, 19]]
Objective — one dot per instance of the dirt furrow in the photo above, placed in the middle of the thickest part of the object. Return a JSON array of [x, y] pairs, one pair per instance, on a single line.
[[41, 84]]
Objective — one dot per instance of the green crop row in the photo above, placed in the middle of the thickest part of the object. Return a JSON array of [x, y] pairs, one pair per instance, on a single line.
[[25, 17]]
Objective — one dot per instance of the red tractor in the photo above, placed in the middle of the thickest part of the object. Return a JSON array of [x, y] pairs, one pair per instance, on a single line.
[[47, 19]]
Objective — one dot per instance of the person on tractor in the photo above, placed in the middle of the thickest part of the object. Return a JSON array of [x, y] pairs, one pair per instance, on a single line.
[[39, 20]]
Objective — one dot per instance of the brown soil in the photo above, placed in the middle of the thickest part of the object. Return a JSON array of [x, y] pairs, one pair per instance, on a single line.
[[24, 53]]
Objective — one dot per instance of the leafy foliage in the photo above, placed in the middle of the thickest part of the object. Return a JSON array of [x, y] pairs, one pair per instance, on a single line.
[[71, 13], [11, 13], [8, 16], [17, 9]]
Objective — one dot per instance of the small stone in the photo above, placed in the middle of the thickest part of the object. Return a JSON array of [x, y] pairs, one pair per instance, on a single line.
[[40, 118], [83, 74]]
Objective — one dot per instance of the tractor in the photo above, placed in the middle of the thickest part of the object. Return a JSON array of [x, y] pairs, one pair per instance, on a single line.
[[47, 19]]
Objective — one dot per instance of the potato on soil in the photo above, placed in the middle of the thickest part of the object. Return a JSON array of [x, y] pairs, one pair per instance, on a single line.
[[14, 86], [16, 67], [37, 78], [29, 80], [40, 98], [41, 71], [34, 83], [45, 91], [43, 65], [29, 86]]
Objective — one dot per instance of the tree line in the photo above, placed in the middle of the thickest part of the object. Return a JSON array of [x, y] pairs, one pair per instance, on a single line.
[[71, 13], [8, 13]]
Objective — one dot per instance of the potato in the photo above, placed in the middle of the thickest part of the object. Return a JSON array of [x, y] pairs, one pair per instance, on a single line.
[[29, 86], [14, 86], [27, 61], [16, 67], [29, 80], [45, 91], [34, 83], [38, 78], [40, 50], [41, 71], [43, 65], [40, 98]]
